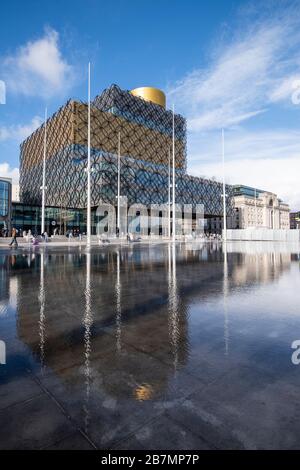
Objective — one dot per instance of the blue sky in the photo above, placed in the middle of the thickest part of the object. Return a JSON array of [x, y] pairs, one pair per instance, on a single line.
[[231, 64]]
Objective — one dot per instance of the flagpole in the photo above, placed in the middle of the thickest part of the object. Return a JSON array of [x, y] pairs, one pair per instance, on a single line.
[[255, 208], [88, 218], [43, 188], [173, 180], [119, 183], [169, 195], [224, 189]]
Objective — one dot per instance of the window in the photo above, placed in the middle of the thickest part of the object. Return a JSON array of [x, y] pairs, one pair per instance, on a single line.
[[4, 198]]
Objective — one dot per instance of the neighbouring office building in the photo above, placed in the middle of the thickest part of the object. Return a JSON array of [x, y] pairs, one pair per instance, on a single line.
[[258, 208], [295, 220], [5, 205], [136, 124]]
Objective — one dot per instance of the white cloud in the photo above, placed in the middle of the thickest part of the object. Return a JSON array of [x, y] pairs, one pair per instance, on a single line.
[[268, 160], [2, 92], [255, 73], [7, 172], [20, 132], [284, 89], [280, 176], [256, 68], [38, 68]]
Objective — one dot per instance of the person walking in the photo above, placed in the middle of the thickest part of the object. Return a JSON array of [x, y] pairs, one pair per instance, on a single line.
[[14, 237]]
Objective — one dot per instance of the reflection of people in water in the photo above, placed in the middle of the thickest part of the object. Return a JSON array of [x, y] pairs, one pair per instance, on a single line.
[[14, 237]]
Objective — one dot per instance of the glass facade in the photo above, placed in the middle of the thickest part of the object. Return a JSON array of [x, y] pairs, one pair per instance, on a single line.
[[120, 122], [25, 217], [295, 220], [4, 198], [246, 191], [5, 206]]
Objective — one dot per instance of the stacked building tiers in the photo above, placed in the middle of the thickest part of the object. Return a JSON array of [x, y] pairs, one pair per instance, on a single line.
[[145, 130]]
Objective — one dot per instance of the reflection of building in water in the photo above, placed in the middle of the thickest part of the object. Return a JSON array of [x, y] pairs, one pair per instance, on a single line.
[[4, 282], [8, 282], [261, 268], [13, 291], [144, 392], [153, 308], [72, 339]]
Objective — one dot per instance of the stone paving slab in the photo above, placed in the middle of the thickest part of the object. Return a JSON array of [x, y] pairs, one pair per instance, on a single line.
[[118, 393], [76, 441], [32, 424], [163, 434], [245, 409]]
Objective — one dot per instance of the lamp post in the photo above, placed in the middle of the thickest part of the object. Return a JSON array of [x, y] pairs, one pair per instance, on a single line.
[[173, 179], [43, 187], [88, 218]]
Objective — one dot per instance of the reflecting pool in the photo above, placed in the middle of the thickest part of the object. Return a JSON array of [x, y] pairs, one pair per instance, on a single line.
[[150, 346]]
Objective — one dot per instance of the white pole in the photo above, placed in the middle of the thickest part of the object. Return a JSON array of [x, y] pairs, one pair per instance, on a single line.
[[118, 306], [173, 181], [225, 295], [169, 196], [44, 175], [255, 208], [87, 323], [42, 313], [119, 184], [88, 218], [224, 188]]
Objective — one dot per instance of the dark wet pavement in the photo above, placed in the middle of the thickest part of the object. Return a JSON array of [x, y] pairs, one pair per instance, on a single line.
[[150, 347]]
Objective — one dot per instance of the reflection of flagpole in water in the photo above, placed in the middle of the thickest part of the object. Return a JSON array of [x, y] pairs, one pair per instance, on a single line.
[[169, 196], [225, 294], [169, 267], [87, 322], [173, 303], [42, 312], [118, 305]]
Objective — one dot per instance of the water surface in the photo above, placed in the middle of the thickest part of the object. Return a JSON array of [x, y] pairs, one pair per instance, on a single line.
[[150, 347]]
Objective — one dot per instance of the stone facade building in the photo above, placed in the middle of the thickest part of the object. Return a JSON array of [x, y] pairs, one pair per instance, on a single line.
[[260, 209]]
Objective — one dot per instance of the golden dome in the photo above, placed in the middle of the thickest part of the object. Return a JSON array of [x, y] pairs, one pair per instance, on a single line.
[[148, 93]]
